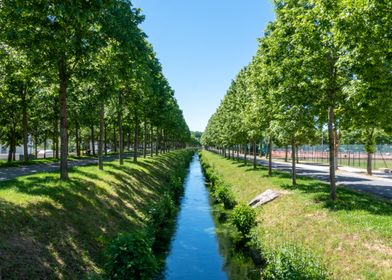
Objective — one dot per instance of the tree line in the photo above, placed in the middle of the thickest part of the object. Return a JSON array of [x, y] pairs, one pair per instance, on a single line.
[[321, 65], [80, 69]]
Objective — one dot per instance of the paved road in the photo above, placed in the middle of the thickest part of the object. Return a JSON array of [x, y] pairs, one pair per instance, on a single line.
[[379, 185], [8, 173]]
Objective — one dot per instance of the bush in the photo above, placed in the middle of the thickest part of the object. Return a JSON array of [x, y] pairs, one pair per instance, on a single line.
[[243, 218], [290, 262], [176, 187], [162, 212], [223, 194], [130, 257]]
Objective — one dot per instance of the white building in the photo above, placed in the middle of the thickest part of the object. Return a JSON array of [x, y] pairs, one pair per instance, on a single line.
[[19, 150]]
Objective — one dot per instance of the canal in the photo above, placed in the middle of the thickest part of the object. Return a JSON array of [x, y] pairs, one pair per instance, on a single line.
[[194, 250]]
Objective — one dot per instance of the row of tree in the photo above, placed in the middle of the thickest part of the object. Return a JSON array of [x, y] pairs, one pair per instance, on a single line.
[[321, 64], [70, 70]]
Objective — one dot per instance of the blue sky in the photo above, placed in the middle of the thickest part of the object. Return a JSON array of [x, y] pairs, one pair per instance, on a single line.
[[202, 45]]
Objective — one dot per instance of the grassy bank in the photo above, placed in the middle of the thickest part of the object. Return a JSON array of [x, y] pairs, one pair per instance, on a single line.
[[59, 230], [352, 237]]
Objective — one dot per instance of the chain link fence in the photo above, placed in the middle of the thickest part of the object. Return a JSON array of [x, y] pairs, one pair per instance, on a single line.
[[348, 155]]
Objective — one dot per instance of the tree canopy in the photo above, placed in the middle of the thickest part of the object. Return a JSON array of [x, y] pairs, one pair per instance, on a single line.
[[72, 70], [320, 64]]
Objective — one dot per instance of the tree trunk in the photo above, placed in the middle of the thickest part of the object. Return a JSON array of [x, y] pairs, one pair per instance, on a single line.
[[157, 142], [136, 140], [114, 138], [254, 155], [55, 144], [293, 162], [145, 139], [162, 142], [270, 157], [129, 140], [36, 146], [151, 140], [77, 139], [92, 140], [246, 153], [370, 148], [105, 146], [120, 129], [63, 122], [45, 144], [101, 135], [286, 153], [11, 146], [332, 162], [336, 147], [369, 163], [23, 92]]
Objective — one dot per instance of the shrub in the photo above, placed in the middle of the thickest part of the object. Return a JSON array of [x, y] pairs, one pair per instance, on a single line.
[[224, 195], [176, 187], [243, 218], [290, 262], [162, 212], [130, 257]]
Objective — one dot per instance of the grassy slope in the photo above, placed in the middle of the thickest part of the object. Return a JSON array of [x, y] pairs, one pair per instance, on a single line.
[[352, 236], [55, 230]]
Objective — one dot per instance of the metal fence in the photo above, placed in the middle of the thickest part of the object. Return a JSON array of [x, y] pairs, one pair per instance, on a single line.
[[348, 155]]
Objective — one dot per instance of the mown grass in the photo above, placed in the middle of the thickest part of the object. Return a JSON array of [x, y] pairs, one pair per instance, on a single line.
[[352, 236], [59, 230], [18, 163]]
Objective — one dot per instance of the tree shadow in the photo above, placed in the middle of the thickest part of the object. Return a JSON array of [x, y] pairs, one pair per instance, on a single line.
[[63, 228], [347, 200]]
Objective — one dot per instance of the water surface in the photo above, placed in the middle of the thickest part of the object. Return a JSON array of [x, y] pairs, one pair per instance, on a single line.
[[194, 251]]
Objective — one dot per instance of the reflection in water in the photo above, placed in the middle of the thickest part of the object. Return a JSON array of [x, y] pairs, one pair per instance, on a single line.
[[194, 252]]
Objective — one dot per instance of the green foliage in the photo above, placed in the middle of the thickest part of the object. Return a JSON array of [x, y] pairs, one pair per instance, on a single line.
[[315, 67], [162, 212], [130, 257], [75, 62], [243, 218], [177, 186], [290, 262], [223, 194]]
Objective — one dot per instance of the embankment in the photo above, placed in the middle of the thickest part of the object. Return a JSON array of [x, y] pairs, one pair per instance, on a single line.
[[305, 235], [60, 230]]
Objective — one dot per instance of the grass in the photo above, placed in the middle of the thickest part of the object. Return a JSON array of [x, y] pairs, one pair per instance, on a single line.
[[58, 230], [18, 163], [352, 236], [358, 163]]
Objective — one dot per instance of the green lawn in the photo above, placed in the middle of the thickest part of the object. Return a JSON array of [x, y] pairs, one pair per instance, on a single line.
[[17, 163], [58, 230], [352, 236]]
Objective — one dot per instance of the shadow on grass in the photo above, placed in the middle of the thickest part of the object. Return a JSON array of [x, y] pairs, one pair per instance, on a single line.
[[347, 200], [63, 229]]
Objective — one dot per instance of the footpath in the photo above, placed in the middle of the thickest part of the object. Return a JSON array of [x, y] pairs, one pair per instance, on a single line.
[[9, 173], [380, 184]]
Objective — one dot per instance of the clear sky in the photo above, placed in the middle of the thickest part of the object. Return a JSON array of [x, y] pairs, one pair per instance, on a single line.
[[202, 45]]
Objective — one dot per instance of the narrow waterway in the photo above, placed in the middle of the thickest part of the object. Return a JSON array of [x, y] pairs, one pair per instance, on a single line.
[[194, 251]]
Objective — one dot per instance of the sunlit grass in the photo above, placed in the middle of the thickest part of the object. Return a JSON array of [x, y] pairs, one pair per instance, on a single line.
[[18, 163], [353, 235], [52, 229]]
